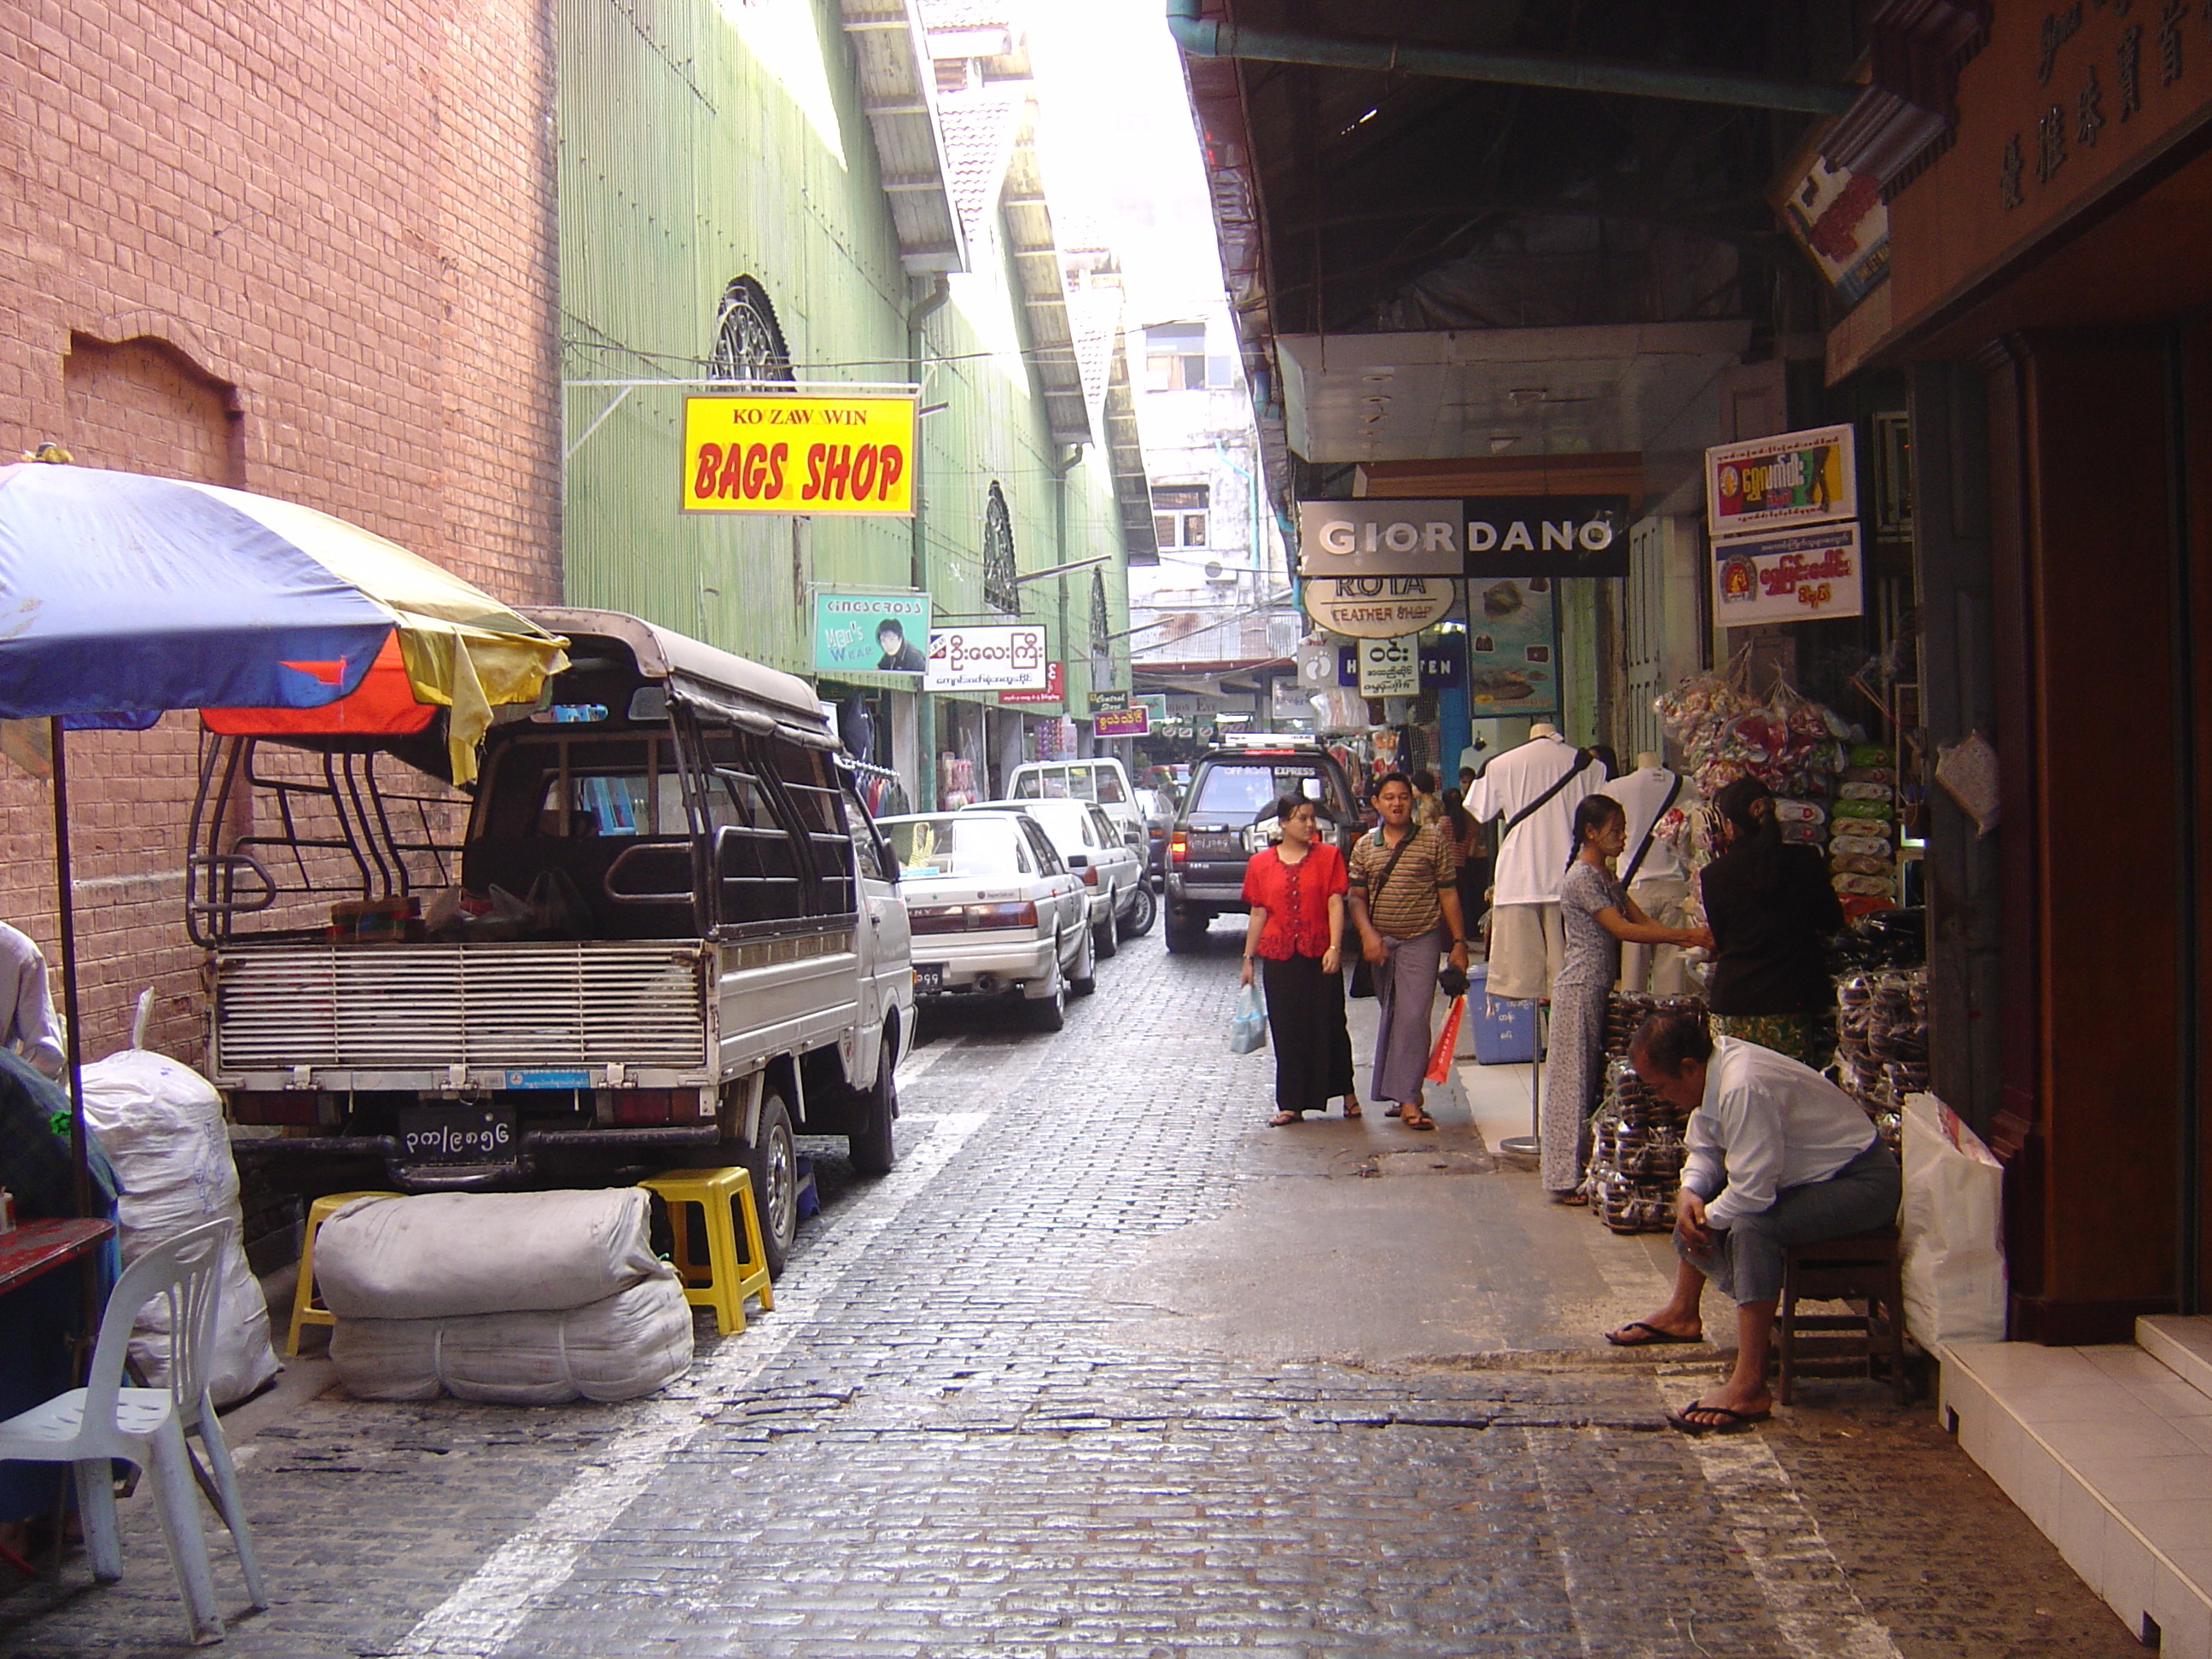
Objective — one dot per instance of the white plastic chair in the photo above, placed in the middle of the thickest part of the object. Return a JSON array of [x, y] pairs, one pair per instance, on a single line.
[[90, 1426]]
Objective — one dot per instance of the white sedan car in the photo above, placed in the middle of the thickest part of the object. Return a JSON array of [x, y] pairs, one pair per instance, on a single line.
[[1121, 905], [994, 910]]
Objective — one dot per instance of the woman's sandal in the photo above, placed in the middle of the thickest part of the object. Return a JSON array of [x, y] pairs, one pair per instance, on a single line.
[[1352, 1109], [1413, 1117], [1282, 1118]]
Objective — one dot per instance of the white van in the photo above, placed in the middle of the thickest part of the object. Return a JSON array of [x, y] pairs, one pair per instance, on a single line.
[[664, 932], [1100, 779]]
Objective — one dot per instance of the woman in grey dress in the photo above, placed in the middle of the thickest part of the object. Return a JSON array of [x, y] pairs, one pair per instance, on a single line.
[[1597, 916]]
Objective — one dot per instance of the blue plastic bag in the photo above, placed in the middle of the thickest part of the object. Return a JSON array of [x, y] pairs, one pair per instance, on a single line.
[[1248, 1027]]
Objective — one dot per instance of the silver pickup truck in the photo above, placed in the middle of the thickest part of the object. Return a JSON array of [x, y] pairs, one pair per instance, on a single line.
[[663, 931]]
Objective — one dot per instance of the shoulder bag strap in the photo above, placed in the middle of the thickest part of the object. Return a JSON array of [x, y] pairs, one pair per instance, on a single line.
[[1376, 891], [1637, 863], [1582, 760]]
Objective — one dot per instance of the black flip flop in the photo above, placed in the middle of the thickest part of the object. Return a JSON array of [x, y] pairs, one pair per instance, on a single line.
[[1655, 1340], [1737, 1422]]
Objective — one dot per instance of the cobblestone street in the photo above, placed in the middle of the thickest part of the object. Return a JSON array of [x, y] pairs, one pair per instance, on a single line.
[[980, 1422]]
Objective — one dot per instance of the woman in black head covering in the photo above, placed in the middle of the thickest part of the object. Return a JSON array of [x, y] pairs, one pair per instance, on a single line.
[[1771, 911]]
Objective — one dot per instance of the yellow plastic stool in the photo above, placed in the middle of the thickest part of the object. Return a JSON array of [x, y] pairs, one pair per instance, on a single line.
[[306, 1305], [724, 1278]]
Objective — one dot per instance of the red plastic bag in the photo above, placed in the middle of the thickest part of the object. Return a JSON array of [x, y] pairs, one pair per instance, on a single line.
[[1440, 1057]]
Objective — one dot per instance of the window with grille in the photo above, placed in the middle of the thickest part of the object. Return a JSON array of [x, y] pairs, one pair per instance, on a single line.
[[748, 340], [999, 591]]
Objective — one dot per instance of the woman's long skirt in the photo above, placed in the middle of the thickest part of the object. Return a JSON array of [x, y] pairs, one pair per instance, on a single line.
[[1405, 991], [1574, 1074], [1305, 1023]]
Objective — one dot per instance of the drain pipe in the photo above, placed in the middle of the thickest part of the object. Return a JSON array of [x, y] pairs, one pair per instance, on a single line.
[[1204, 37], [925, 708]]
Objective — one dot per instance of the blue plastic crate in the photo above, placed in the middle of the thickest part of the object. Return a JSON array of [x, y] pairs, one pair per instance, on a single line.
[[1504, 1032]]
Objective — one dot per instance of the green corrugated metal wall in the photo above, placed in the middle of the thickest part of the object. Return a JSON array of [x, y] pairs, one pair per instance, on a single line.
[[687, 160]]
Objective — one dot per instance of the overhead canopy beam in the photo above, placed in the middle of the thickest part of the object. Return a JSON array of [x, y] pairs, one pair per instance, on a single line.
[[1204, 37]]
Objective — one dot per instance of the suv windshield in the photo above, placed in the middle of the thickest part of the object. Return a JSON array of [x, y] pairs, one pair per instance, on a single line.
[[1245, 790]]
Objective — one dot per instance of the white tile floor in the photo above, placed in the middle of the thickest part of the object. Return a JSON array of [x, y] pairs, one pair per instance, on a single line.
[[2109, 1451]]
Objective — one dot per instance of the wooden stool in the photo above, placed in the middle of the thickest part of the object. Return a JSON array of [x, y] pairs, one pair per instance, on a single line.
[[724, 1278], [1862, 1268], [307, 1307]]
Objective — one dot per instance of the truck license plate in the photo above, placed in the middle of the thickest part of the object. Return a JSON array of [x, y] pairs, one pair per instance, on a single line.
[[456, 1134], [928, 979]]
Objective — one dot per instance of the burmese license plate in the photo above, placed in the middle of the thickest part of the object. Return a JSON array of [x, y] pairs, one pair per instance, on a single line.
[[457, 1135], [928, 979]]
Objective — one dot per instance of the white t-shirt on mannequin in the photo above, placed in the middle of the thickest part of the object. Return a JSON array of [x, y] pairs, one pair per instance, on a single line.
[[1534, 858], [1643, 795]]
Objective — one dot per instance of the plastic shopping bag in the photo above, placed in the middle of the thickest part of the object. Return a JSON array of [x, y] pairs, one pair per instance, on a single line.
[[1952, 1227], [1440, 1057], [1248, 1027]]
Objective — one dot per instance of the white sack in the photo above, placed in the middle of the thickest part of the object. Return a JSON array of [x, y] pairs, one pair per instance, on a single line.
[[1953, 1229], [443, 1256], [160, 1124], [632, 1343]]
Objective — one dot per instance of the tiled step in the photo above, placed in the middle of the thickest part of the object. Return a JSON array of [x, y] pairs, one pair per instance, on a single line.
[[2109, 1451], [2182, 1343]]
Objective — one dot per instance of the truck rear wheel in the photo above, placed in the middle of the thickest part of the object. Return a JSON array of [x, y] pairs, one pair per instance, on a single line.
[[1186, 934], [771, 1161]]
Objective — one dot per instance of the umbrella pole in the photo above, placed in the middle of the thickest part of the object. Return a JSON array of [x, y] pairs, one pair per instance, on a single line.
[[64, 889]]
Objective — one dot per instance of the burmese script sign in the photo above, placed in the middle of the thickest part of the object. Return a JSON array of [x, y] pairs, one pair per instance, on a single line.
[[1799, 575], [1790, 478], [1476, 537], [1377, 607], [987, 659], [786, 453]]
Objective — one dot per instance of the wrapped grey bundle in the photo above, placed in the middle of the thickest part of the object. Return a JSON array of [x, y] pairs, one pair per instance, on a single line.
[[446, 1255], [623, 1346]]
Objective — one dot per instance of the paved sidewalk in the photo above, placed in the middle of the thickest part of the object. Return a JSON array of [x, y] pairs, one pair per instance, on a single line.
[[1107, 1366]]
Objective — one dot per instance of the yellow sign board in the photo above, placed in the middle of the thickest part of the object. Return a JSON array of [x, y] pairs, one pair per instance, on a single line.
[[798, 454]]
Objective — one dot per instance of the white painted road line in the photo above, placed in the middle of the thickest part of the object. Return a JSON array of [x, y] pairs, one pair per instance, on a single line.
[[1805, 1589], [480, 1616]]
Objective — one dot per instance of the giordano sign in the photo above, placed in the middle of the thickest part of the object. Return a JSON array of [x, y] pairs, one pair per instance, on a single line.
[[1377, 607], [1477, 536]]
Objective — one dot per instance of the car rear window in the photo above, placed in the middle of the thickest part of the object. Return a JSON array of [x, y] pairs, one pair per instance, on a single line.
[[958, 845], [1230, 789]]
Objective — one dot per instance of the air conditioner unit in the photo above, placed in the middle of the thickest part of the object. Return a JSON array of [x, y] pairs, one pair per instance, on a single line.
[[1220, 575]]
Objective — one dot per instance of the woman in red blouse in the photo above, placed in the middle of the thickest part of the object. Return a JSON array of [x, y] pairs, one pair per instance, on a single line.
[[1295, 891]]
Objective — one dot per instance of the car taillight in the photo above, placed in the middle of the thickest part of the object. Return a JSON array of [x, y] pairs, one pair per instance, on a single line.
[[1090, 876], [1179, 846], [648, 1106], [968, 918], [260, 1106]]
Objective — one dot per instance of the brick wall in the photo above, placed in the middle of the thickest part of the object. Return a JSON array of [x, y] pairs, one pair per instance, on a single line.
[[304, 249]]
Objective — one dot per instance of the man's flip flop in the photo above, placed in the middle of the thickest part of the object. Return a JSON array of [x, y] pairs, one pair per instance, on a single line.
[[1282, 1119], [1733, 1422], [1653, 1340]]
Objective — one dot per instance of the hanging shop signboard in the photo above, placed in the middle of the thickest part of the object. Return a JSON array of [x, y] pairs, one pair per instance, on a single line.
[[788, 453], [1390, 668], [987, 659], [870, 632], [1054, 690], [1790, 478], [1550, 536], [1440, 668], [1512, 647], [1801, 575], [1377, 607], [1476, 536], [1133, 722], [1317, 665]]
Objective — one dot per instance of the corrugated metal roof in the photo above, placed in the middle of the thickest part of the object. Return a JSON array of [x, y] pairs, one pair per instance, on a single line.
[[898, 91], [1132, 489], [1043, 288]]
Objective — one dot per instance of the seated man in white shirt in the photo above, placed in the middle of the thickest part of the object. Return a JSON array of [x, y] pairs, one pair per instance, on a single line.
[[1777, 1156]]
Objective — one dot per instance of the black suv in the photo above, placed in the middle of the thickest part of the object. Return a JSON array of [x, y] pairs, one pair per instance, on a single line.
[[1233, 790]]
